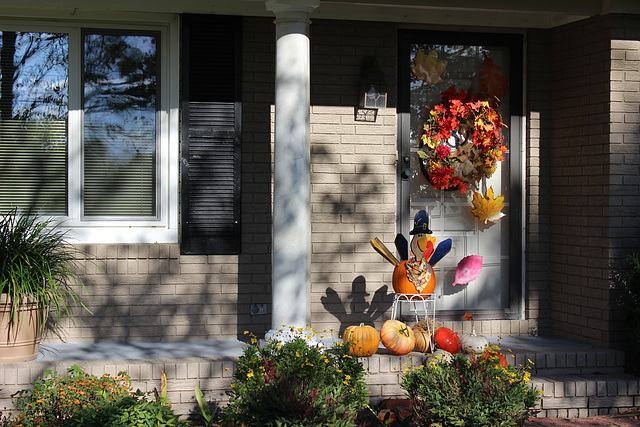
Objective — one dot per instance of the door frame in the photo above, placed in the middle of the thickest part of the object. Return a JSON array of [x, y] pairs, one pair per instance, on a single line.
[[516, 157]]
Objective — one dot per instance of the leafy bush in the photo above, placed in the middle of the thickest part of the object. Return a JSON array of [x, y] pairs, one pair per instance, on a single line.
[[470, 391], [80, 399], [133, 410], [626, 279], [296, 383]]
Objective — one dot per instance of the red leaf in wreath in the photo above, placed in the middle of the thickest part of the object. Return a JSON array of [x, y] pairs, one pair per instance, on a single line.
[[492, 82]]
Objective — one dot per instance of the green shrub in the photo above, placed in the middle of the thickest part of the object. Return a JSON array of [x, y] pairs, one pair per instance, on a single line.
[[296, 383], [470, 391], [626, 279], [80, 399], [133, 410]]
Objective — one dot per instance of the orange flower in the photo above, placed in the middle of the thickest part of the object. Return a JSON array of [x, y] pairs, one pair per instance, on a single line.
[[467, 316]]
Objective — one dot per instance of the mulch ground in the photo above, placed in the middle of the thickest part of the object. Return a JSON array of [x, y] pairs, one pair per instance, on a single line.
[[628, 419], [395, 410]]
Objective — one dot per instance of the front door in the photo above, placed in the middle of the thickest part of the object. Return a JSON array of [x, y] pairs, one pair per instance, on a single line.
[[432, 63]]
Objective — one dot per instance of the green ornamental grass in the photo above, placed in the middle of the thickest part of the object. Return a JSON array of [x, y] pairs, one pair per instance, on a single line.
[[37, 265]]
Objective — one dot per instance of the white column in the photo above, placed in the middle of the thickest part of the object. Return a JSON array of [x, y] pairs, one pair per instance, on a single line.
[[291, 281]]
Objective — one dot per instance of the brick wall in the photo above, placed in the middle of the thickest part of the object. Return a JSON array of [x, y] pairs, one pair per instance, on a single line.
[[624, 196], [624, 218], [580, 180], [538, 185], [353, 172]]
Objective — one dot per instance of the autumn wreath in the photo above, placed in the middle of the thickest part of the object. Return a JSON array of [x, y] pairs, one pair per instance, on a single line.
[[462, 140]]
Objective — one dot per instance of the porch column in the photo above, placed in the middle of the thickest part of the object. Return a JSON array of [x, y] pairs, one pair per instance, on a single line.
[[291, 281]]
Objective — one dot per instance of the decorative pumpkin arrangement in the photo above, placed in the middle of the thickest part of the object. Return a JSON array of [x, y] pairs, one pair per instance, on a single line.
[[448, 340], [414, 275], [363, 340], [397, 337]]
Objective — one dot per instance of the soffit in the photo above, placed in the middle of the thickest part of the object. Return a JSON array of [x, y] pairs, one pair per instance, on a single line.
[[459, 13]]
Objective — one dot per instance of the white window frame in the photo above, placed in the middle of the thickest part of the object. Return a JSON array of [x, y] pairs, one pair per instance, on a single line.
[[164, 228]]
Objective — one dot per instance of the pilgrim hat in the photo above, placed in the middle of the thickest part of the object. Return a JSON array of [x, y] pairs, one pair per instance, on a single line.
[[421, 223]]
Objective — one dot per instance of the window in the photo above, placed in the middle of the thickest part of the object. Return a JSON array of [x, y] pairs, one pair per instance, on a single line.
[[84, 127], [459, 59]]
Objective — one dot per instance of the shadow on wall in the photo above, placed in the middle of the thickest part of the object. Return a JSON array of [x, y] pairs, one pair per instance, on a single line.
[[358, 308]]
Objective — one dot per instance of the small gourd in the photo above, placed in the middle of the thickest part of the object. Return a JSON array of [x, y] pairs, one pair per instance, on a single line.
[[474, 344], [363, 340], [440, 356]]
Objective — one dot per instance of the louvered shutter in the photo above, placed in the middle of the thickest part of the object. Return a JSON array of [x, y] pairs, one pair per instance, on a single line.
[[211, 132]]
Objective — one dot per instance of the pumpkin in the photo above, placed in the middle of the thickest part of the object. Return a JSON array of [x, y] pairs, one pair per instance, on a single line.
[[474, 344], [362, 340], [423, 331], [440, 356], [402, 285], [397, 337], [447, 340]]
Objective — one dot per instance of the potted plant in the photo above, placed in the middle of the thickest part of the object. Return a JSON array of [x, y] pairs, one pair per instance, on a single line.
[[37, 274]]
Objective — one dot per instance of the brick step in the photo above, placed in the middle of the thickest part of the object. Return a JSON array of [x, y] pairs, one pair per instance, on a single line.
[[550, 355], [586, 395]]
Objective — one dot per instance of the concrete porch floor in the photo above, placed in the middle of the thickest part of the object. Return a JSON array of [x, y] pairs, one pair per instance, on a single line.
[[108, 350]]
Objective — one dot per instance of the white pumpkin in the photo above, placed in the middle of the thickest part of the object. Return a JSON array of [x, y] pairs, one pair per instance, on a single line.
[[474, 344]]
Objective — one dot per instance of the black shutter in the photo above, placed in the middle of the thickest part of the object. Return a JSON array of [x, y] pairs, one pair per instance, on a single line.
[[211, 118]]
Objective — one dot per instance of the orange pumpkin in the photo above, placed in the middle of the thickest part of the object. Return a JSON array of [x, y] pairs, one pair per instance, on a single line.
[[402, 285], [397, 337], [362, 340]]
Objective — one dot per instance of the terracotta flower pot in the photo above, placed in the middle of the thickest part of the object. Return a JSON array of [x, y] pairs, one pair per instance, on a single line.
[[19, 341]]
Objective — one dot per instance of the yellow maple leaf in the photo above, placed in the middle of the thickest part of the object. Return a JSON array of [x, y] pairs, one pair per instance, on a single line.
[[488, 208], [427, 67]]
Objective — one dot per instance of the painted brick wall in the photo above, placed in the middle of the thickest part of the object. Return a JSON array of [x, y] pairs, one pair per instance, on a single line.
[[624, 197], [353, 174], [580, 180]]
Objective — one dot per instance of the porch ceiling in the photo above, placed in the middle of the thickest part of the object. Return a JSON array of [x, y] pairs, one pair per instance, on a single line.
[[494, 13]]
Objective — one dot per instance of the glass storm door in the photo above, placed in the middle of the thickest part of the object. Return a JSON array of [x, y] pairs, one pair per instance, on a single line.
[[430, 64]]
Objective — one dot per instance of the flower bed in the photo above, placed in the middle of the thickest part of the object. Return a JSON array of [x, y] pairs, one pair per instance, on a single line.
[[293, 381]]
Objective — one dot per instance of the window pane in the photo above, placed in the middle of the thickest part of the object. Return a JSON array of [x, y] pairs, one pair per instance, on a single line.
[[120, 97], [33, 121]]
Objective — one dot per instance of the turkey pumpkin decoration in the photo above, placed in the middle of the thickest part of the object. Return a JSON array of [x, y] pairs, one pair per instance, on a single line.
[[402, 285], [363, 340], [397, 337], [447, 340]]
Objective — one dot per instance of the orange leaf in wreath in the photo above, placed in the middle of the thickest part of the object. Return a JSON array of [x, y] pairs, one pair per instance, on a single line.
[[487, 208], [427, 67]]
